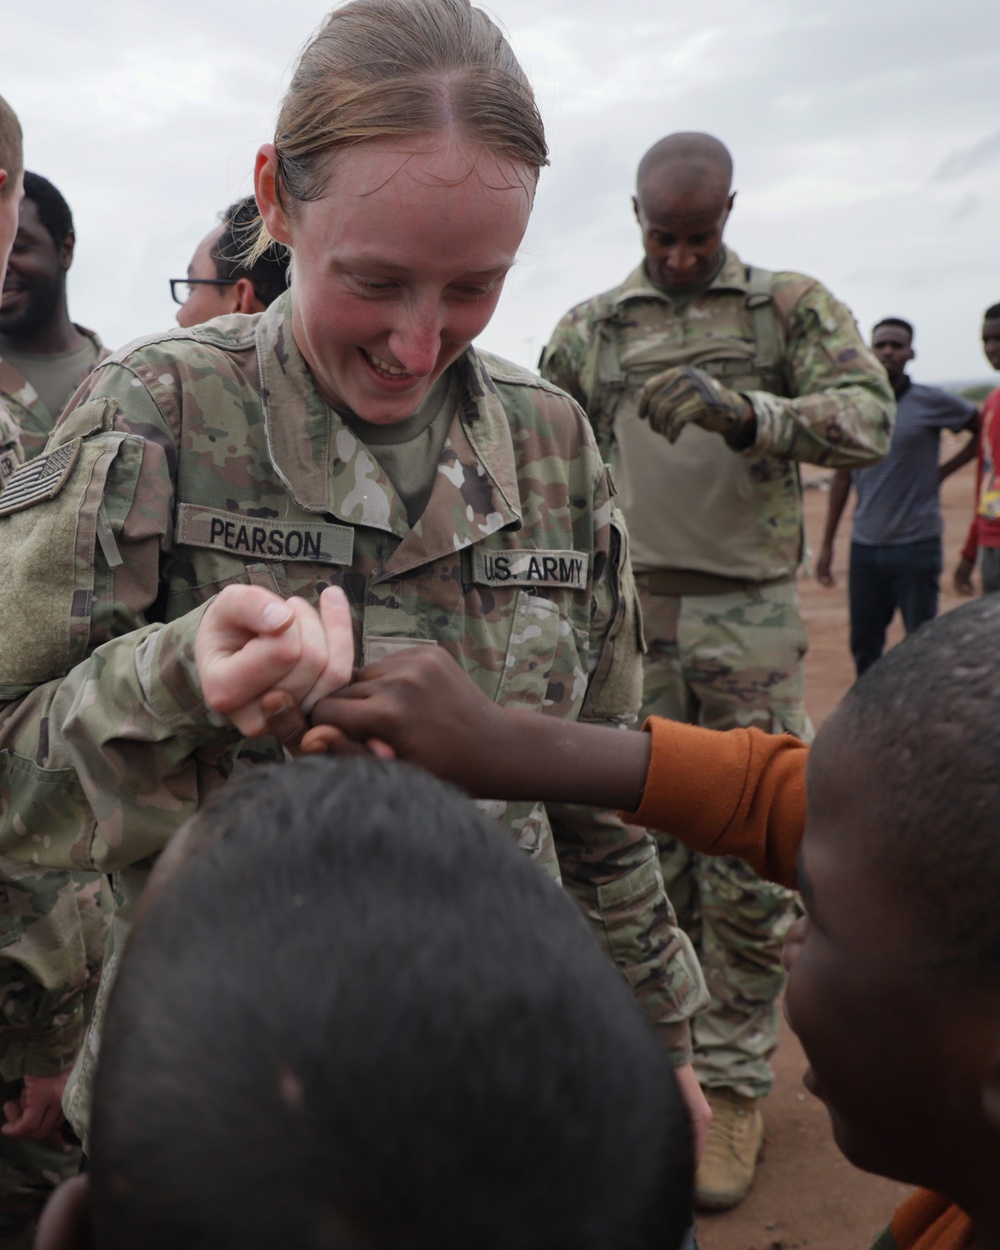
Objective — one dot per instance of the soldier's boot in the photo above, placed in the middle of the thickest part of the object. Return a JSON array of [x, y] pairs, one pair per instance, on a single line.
[[725, 1173]]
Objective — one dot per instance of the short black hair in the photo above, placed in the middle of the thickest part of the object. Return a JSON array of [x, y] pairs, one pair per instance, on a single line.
[[269, 272], [895, 321], [992, 313], [360, 1018], [929, 712], [53, 211]]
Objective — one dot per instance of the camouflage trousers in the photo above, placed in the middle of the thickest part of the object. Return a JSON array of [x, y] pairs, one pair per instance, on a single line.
[[725, 661], [29, 1171]]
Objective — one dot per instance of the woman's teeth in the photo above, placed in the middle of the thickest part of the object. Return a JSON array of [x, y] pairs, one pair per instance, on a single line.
[[385, 367]]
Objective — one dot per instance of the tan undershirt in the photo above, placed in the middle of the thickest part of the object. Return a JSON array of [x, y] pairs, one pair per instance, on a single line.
[[409, 450], [53, 377]]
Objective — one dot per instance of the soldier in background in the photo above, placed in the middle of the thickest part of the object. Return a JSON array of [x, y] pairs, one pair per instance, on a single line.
[[44, 356], [707, 381], [52, 930], [11, 195], [221, 276]]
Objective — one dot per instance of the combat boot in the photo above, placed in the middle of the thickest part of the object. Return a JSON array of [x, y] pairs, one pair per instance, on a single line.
[[725, 1173]]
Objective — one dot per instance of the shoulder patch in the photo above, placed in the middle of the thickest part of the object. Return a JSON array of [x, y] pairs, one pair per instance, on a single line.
[[40, 479]]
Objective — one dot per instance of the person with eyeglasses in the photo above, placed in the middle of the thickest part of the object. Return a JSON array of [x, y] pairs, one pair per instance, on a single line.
[[44, 355], [220, 277]]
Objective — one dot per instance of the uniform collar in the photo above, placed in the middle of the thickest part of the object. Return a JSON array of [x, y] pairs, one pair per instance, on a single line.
[[732, 276], [326, 468]]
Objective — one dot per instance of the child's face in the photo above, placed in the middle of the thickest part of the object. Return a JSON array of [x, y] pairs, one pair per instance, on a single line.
[[858, 994], [991, 341]]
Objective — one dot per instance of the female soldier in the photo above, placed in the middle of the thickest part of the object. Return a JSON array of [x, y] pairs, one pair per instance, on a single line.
[[348, 439]]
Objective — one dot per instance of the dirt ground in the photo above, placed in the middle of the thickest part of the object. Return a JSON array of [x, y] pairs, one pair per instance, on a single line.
[[805, 1192]]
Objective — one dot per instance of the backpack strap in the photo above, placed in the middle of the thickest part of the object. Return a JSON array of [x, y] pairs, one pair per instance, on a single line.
[[766, 330], [601, 377]]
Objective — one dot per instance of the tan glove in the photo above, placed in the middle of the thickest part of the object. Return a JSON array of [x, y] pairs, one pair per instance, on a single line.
[[688, 396]]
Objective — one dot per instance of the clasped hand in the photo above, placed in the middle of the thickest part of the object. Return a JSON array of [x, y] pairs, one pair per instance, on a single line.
[[252, 642], [685, 396]]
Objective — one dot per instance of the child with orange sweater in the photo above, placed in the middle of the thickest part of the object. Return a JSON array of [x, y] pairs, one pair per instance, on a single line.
[[894, 972]]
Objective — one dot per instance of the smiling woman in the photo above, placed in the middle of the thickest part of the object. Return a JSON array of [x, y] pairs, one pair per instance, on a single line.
[[346, 450]]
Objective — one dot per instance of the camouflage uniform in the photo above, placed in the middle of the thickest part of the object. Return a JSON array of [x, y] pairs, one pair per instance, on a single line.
[[27, 407], [199, 459], [53, 927], [47, 958], [716, 537]]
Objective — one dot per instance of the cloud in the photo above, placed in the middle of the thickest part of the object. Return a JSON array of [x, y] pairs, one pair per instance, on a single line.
[[968, 160], [849, 125]]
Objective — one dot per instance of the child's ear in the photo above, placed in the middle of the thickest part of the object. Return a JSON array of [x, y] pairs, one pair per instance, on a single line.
[[65, 1222]]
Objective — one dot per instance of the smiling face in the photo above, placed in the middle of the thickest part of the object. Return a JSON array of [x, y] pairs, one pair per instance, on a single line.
[[892, 1045], [36, 275], [399, 266]]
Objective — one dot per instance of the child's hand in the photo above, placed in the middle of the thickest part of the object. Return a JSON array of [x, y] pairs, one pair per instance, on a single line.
[[252, 641], [287, 723], [963, 577], [420, 706]]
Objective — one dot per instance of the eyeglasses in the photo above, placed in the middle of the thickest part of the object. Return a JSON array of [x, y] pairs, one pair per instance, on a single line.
[[181, 288]]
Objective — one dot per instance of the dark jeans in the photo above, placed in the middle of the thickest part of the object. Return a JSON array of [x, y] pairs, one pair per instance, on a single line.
[[883, 579]]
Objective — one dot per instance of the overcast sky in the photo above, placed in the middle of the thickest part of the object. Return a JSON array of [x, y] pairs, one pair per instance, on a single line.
[[865, 133]]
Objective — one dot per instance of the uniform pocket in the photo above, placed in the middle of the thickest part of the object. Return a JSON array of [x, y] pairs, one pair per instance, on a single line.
[[616, 685], [531, 651], [52, 518]]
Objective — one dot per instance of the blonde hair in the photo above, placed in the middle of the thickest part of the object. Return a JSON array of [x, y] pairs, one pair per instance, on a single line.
[[11, 149], [380, 69]]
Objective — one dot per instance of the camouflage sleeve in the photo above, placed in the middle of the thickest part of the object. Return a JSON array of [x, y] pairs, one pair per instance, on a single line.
[[843, 408], [11, 451], [561, 361], [53, 927], [106, 744], [610, 867]]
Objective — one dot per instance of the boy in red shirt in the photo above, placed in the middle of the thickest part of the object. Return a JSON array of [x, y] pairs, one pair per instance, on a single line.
[[984, 532]]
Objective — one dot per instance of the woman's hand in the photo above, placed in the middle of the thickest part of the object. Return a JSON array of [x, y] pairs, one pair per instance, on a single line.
[[252, 641]]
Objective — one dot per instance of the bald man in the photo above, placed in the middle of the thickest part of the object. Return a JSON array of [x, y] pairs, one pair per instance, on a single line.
[[707, 381]]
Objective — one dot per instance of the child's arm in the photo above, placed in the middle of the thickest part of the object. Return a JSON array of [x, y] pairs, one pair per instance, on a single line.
[[735, 793], [424, 707]]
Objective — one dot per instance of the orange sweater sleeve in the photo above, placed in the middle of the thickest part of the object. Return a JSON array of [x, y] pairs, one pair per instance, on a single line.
[[926, 1221], [741, 792]]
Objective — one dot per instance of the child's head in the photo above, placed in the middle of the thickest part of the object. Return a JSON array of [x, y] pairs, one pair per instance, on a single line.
[[991, 335], [356, 1016], [11, 179], [894, 976]]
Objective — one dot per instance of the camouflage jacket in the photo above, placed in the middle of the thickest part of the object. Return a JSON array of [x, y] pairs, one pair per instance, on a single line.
[[202, 458], [27, 407], [53, 927], [11, 451], [697, 504]]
